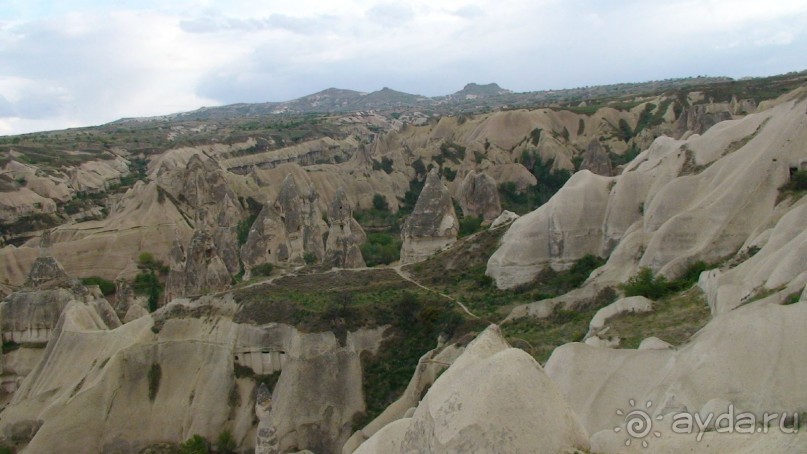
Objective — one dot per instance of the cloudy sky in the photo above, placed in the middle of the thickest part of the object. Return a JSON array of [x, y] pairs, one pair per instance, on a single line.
[[84, 62]]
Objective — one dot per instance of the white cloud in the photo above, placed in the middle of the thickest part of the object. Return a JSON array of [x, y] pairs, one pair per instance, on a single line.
[[86, 63]]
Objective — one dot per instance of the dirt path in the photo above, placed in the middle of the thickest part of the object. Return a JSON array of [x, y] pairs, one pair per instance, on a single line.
[[397, 268], [404, 275]]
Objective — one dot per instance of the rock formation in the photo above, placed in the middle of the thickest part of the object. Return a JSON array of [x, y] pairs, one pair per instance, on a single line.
[[596, 160], [479, 196], [198, 271], [563, 230], [520, 410], [678, 202], [345, 236], [433, 223], [267, 241], [303, 221]]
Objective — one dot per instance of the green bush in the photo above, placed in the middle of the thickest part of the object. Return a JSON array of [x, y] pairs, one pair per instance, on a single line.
[[147, 283], [381, 249], [226, 443], [154, 375], [644, 283], [146, 259], [107, 287], [264, 269], [309, 258], [380, 203], [194, 445], [798, 181], [469, 225]]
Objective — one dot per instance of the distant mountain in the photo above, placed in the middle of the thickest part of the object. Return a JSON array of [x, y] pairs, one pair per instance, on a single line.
[[472, 98], [473, 91]]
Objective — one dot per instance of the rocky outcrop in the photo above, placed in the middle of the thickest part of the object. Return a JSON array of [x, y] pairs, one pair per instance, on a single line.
[[633, 304], [678, 202], [520, 410], [736, 358], [507, 217], [321, 421], [204, 270], [699, 118], [267, 241], [596, 160], [345, 236], [563, 230], [479, 196], [433, 223], [303, 221]]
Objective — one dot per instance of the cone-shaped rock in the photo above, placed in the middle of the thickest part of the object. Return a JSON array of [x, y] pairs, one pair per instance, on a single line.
[[433, 223], [345, 235], [479, 196]]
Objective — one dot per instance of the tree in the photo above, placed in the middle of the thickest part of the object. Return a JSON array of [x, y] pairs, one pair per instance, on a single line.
[[380, 203]]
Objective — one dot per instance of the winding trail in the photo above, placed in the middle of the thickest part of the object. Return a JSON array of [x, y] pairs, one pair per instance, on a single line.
[[397, 268], [406, 276]]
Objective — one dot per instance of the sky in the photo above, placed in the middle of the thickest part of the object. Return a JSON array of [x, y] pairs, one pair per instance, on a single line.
[[70, 63]]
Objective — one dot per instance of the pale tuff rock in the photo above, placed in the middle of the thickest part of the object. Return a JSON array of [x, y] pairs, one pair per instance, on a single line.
[[433, 223], [205, 271], [520, 409], [561, 231], [319, 391], [737, 357], [778, 265], [479, 196], [345, 236], [429, 367], [505, 218], [286, 231], [303, 221], [267, 241], [698, 118], [678, 202], [654, 343], [633, 304], [596, 160]]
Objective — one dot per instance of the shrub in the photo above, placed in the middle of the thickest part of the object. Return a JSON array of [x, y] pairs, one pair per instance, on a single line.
[[264, 269], [309, 258], [381, 249], [194, 445], [154, 375], [380, 203], [645, 284], [798, 181], [226, 443], [469, 225], [146, 259], [107, 287]]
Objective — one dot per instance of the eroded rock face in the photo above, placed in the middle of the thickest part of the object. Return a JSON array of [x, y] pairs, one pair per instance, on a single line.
[[520, 410], [596, 160], [267, 241], [345, 236], [200, 271], [561, 231], [303, 221], [479, 196], [433, 223]]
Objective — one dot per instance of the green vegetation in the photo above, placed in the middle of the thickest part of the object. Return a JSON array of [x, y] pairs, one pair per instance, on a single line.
[[417, 323], [793, 298], [309, 258], [549, 182], [225, 444], [107, 287], [154, 375], [674, 319], [380, 203], [450, 151], [385, 165], [797, 183], [644, 283], [264, 269], [381, 249], [147, 282], [195, 445], [469, 225]]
